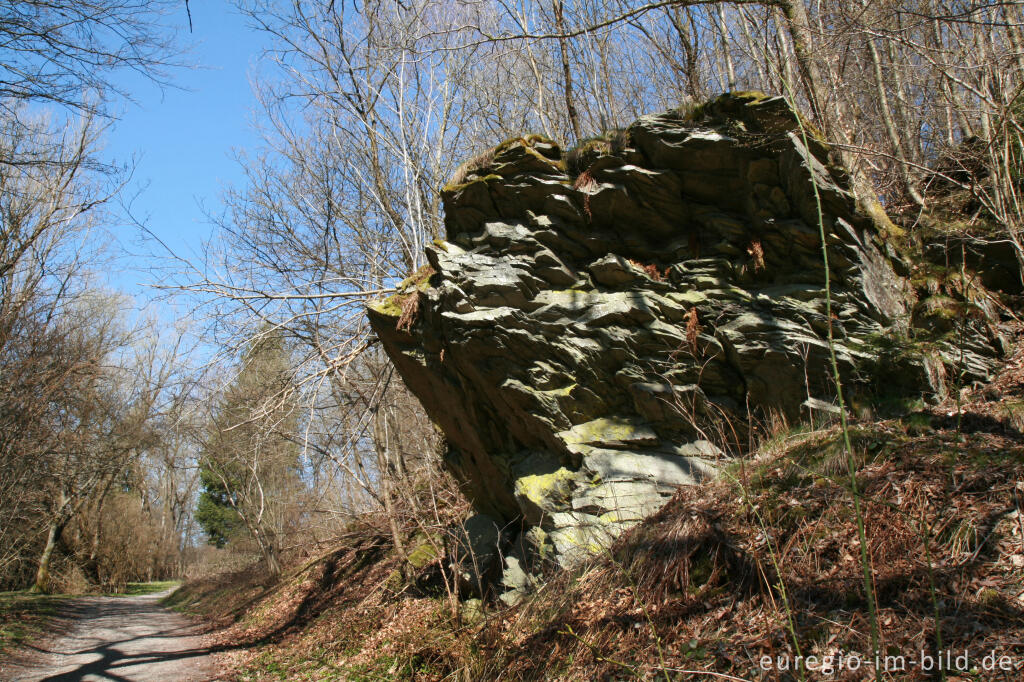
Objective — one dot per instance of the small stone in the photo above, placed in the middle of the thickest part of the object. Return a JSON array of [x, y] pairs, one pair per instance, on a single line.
[[613, 270]]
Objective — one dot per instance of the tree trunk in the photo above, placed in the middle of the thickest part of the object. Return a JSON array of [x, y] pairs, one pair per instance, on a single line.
[[268, 548], [42, 583], [909, 183], [758, 53], [690, 48], [1011, 15], [723, 31], [272, 557], [92, 564], [803, 48], [387, 472], [570, 105]]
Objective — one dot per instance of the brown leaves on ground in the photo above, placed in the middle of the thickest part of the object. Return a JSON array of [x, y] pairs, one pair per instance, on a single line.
[[727, 572], [704, 584], [344, 613]]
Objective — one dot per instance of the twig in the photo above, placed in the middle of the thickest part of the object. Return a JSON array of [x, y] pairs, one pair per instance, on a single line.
[[706, 672]]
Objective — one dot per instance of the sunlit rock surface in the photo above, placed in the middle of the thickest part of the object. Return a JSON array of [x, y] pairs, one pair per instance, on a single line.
[[603, 326]]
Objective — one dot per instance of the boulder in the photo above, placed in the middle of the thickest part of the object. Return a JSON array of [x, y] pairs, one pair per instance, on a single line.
[[590, 341]]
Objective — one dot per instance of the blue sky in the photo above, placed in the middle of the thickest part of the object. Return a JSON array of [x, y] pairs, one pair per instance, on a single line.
[[182, 138]]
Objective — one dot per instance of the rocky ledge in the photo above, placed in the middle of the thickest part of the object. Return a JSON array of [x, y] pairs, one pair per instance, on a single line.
[[602, 326]]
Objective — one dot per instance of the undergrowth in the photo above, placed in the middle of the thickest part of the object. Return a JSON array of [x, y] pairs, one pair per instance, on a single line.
[[731, 578]]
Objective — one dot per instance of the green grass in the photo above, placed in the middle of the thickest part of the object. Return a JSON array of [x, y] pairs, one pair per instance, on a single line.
[[139, 589], [24, 616]]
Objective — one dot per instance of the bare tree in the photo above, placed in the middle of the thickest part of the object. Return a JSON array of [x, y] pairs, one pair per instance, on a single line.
[[66, 52], [99, 417], [75, 412]]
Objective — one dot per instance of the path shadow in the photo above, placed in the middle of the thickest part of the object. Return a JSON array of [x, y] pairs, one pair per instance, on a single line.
[[112, 660]]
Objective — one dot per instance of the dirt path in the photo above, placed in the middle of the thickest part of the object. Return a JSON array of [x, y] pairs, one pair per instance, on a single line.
[[117, 638]]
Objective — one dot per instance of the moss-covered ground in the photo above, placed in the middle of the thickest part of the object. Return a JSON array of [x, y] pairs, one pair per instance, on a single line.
[[139, 589]]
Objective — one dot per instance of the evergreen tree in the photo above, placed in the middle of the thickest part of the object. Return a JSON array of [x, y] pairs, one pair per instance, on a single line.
[[250, 466], [215, 513]]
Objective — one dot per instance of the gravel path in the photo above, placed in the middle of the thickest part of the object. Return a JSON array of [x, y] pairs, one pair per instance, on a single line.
[[117, 638]]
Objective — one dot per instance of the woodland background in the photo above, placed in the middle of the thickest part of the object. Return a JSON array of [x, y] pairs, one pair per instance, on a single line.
[[256, 429]]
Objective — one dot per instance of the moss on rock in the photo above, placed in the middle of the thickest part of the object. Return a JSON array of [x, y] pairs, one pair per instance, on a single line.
[[541, 494], [394, 305]]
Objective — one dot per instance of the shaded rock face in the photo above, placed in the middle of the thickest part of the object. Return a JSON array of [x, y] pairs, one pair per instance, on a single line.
[[599, 329]]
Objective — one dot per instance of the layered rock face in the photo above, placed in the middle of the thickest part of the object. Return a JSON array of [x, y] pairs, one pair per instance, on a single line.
[[603, 326]]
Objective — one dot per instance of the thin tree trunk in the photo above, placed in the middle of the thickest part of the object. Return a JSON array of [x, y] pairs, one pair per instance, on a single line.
[[42, 582], [803, 48], [1011, 16], [690, 47], [268, 549], [380, 442], [97, 532], [272, 556], [890, 126], [954, 104], [570, 105], [723, 31], [756, 54], [787, 81]]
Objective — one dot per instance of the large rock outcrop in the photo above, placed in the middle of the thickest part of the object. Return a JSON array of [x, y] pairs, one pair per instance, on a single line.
[[602, 326]]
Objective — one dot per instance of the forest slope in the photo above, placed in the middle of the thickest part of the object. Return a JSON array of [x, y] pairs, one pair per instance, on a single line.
[[762, 563]]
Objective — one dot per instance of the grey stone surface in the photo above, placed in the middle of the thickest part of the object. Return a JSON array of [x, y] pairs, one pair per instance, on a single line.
[[587, 344]]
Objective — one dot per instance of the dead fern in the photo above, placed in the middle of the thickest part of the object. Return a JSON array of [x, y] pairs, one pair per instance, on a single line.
[[584, 182], [693, 329], [410, 313], [756, 252], [651, 270]]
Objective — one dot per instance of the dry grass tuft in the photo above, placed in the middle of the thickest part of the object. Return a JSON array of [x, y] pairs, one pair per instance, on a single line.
[[472, 167]]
